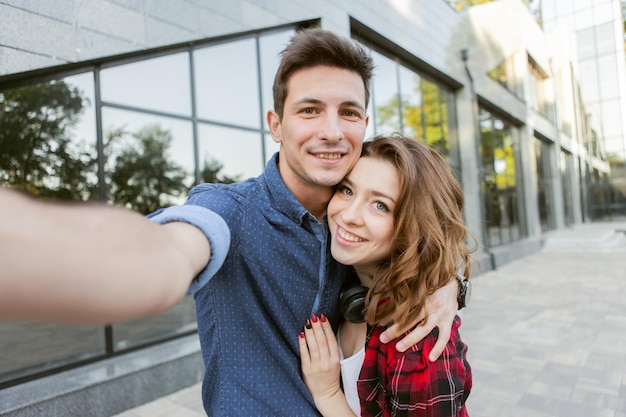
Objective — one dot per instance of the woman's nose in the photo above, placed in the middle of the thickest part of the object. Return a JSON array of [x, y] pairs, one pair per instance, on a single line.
[[352, 213]]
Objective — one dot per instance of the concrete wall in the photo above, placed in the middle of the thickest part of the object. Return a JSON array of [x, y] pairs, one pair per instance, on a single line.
[[110, 386]]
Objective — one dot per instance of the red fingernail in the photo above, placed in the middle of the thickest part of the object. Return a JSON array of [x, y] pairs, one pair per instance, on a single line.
[[323, 318], [301, 335], [313, 318]]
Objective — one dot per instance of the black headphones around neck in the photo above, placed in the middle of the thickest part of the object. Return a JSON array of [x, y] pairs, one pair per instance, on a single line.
[[352, 303]]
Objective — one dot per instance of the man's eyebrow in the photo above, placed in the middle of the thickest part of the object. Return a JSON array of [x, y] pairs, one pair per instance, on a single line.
[[352, 103], [307, 100], [311, 100]]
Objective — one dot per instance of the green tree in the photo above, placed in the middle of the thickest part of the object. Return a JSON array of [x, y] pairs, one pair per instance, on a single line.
[[210, 173], [388, 115], [37, 152], [425, 119], [142, 177], [428, 121]]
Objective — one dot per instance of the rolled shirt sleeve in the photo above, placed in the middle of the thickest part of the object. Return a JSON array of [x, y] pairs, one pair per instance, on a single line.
[[214, 228]]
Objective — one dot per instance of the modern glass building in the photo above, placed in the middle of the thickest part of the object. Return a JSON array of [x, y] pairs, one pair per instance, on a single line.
[[133, 102], [595, 29]]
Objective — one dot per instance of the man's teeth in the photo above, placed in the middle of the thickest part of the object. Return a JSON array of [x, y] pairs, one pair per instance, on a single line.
[[329, 155], [350, 238]]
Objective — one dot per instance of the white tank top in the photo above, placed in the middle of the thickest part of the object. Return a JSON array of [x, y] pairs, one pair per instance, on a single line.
[[350, 370]]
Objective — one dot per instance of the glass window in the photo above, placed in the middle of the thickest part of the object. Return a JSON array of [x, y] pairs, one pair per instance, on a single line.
[[386, 106], [605, 38], [28, 348], [613, 113], [160, 84], [542, 170], [232, 154], [548, 7], [589, 80], [411, 105], [582, 4], [607, 77], [537, 90], [227, 84], [180, 319], [567, 166], [501, 192], [435, 117], [48, 148], [149, 159], [585, 41], [47, 139], [564, 7], [565, 100], [271, 45], [406, 101], [582, 20], [604, 12]]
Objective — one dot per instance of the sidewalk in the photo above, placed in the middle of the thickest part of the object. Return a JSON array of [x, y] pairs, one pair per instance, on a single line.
[[546, 333]]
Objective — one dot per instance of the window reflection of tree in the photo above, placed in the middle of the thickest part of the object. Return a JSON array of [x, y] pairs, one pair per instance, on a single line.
[[210, 172], [423, 118], [37, 152], [143, 177]]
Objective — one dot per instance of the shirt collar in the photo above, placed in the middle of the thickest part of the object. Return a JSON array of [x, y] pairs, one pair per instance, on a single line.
[[283, 198]]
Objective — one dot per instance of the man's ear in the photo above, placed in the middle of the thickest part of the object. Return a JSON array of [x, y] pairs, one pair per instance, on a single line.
[[273, 122]]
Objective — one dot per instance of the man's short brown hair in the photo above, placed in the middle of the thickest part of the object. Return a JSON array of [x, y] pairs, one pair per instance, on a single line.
[[312, 47]]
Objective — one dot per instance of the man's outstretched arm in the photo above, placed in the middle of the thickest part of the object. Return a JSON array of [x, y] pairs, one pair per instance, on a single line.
[[91, 263]]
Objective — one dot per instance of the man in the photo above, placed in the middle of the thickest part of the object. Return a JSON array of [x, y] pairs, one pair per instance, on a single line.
[[254, 254]]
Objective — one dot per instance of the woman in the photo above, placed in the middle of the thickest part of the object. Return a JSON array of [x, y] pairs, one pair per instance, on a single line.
[[397, 218]]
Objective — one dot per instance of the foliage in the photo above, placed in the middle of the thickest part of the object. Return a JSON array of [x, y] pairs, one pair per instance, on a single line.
[[143, 178], [37, 153], [425, 118], [210, 173]]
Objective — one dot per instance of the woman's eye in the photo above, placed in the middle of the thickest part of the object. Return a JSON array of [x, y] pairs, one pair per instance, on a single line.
[[344, 190], [381, 206]]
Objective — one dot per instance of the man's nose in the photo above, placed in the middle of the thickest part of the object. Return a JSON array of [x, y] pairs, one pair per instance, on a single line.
[[332, 129]]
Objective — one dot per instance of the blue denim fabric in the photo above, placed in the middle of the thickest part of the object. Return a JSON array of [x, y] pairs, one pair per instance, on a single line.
[[252, 307]]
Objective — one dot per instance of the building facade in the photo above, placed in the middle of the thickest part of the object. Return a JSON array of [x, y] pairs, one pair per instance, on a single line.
[[595, 29], [133, 102]]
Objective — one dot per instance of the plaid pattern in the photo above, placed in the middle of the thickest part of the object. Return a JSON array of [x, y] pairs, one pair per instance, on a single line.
[[392, 383]]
